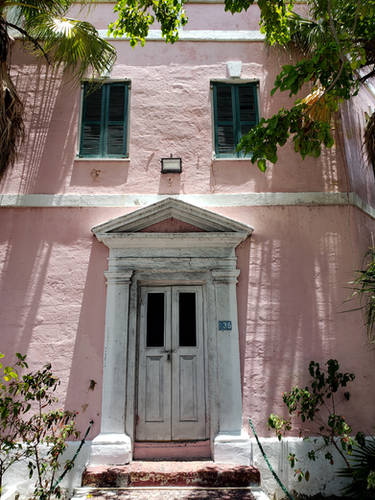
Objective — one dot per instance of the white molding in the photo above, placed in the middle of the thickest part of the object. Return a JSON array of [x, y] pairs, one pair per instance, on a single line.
[[204, 200], [198, 36], [165, 209], [162, 258], [100, 160]]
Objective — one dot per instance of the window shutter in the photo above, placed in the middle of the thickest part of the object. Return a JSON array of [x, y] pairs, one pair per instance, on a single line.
[[91, 121], [235, 113], [116, 123], [224, 123], [247, 109], [104, 120]]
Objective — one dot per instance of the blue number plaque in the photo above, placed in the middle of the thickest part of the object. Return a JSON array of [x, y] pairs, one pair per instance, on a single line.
[[225, 326]]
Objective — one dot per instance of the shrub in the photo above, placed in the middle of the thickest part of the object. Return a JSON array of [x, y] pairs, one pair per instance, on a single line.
[[29, 422]]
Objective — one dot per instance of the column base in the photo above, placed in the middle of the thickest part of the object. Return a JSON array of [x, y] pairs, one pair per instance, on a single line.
[[111, 449], [232, 448]]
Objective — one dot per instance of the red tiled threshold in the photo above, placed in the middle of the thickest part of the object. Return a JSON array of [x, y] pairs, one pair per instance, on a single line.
[[203, 474]]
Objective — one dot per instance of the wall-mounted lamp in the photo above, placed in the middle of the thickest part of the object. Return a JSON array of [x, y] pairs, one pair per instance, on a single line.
[[171, 165]]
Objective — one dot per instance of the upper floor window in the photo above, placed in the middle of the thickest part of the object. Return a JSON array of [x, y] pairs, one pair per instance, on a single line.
[[235, 113], [104, 120]]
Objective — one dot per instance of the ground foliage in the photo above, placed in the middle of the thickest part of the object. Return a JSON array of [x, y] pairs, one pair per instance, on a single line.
[[362, 471], [32, 428], [316, 405], [363, 286]]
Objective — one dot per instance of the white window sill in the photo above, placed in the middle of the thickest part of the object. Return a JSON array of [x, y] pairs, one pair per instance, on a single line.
[[229, 158], [99, 160]]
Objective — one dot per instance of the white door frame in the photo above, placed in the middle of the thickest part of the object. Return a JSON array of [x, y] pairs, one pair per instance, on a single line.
[[205, 258]]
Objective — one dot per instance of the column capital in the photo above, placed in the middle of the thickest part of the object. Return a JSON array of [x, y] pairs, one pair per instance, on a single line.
[[225, 275], [119, 277]]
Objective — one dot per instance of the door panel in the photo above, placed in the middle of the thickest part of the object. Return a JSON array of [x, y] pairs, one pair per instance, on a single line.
[[188, 396], [154, 403], [171, 387], [154, 373], [188, 389]]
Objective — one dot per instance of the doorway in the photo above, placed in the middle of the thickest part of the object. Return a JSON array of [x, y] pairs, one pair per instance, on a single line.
[[171, 374]]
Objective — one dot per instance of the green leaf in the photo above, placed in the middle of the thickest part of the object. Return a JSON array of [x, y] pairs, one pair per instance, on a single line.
[[262, 165]]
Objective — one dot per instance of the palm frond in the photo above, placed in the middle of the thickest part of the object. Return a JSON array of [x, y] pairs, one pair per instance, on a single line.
[[363, 286], [362, 463], [71, 43], [11, 108], [47, 31], [370, 140]]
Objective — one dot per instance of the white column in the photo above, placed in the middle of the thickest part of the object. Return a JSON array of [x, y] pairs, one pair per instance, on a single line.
[[231, 445], [113, 445]]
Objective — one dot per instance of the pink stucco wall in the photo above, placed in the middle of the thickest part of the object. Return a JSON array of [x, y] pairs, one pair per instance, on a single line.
[[291, 294], [294, 270], [170, 112]]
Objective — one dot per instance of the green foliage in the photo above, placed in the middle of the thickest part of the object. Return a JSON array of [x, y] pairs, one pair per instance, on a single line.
[[264, 139], [364, 287], [48, 31], [29, 422], [362, 471], [316, 403], [11, 450], [274, 16], [45, 28], [335, 40], [136, 16]]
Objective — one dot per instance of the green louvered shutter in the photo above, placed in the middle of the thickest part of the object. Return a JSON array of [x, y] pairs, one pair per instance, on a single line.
[[116, 120], [247, 113], [235, 113], [104, 121], [91, 122], [224, 124]]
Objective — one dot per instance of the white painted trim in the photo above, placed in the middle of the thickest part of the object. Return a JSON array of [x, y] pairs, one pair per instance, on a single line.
[[204, 200], [165, 258], [101, 160], [198, 36], [165, 209]]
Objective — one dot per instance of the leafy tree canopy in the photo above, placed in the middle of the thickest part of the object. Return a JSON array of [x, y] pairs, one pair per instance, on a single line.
[[136, 16], [336, 41], [336, 44]]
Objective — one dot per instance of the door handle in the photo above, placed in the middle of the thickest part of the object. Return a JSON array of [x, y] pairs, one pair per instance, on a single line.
[[168, 352]]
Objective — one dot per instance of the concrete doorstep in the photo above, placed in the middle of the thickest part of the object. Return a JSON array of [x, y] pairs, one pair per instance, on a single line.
[[170, 493], [172, 473], [171, 480]]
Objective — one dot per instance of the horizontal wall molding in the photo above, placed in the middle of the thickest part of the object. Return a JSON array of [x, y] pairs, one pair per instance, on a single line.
[[199, 36], [203, 200]]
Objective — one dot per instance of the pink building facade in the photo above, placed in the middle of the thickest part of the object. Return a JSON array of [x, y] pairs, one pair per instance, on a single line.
[[105, 259]]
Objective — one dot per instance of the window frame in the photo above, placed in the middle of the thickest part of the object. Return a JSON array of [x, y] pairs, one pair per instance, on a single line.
[[104, 121], [254, 84]]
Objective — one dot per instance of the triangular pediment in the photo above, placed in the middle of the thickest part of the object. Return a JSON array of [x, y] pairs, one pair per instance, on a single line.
[[179, 212]]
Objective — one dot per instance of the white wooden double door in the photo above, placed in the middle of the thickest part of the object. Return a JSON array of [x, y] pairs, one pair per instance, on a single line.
[[171, 376]]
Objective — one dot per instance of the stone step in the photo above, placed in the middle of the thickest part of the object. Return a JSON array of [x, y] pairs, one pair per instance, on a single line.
[[202, 474], [170, 493]]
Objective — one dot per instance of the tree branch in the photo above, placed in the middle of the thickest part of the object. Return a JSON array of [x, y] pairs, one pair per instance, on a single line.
[[29, 37], [366, 77]]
